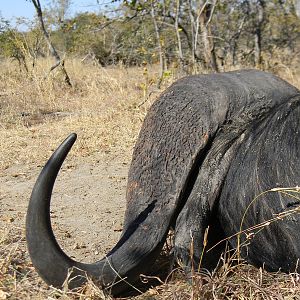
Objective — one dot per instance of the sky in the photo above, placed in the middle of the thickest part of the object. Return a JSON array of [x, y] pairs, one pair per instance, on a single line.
[[10, 9]]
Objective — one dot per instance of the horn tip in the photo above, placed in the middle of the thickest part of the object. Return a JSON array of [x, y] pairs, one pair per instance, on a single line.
[[72, 137]]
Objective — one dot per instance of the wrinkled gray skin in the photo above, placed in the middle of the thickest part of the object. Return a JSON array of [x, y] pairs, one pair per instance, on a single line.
[[207, 147]]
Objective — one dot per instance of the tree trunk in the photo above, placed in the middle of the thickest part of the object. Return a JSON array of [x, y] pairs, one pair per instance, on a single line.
[[207, 40], [297, 7], [234, 42], [193, 35], [159, 45], [257, 33], [180, 54], [257, 48], [52, 49]]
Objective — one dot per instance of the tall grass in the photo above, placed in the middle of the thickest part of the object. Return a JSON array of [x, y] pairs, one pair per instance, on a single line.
[[103, 107]]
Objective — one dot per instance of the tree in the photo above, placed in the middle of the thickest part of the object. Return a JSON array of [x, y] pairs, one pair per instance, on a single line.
[[205, 18], [159, 40], [59, 11], [256, 11], [186, 35], [297, 7], [20, 46], [59, 62], [177, 30]]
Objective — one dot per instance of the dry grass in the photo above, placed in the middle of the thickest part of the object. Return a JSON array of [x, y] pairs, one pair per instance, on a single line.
[[106, 108]]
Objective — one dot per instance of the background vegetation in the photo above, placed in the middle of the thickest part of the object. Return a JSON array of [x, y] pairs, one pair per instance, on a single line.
[[187, 35]]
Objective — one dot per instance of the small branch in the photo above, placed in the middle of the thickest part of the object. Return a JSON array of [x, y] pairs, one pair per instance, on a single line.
[[212, 12], [59, 61]]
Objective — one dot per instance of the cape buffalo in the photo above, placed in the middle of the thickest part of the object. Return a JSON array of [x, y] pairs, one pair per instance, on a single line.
[[208, 146]]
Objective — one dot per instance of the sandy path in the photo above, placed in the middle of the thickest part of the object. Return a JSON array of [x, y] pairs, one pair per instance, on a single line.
[[88, 203]]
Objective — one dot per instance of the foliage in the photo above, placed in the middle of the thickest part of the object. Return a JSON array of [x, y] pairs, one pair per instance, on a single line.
[[250, 32]]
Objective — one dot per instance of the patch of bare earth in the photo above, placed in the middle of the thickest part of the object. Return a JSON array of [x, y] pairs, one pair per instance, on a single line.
[[105, 108]]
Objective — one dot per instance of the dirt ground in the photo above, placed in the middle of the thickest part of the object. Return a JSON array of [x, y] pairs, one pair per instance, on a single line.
[[87, 208]]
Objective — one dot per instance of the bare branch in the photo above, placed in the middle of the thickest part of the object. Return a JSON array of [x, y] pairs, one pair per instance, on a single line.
[[52, 49]]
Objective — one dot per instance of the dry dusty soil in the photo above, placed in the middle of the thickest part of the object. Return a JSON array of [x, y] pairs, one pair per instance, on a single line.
[[87, 207]]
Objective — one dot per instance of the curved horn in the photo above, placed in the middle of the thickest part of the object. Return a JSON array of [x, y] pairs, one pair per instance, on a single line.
[[49, 259], [42, 245]]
